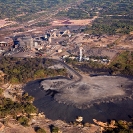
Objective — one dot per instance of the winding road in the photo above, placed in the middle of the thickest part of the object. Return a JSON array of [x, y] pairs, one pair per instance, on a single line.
[[75, 74]]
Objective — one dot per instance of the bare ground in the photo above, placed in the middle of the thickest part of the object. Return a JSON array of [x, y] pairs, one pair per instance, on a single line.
[[72, 22]]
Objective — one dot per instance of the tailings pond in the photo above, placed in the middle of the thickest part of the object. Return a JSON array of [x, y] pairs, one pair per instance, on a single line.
[[55, 104]]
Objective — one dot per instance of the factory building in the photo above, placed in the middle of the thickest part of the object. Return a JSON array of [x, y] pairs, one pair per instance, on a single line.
[[28, 41]]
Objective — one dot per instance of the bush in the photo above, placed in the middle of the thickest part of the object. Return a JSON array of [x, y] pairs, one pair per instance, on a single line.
[[1, 91], [23, 120], [40, 130], [55, 130]]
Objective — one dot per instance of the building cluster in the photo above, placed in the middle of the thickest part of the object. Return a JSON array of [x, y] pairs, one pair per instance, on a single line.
[[24, 43], [78, 58], [40, 41], [5, 44], [54, 43]]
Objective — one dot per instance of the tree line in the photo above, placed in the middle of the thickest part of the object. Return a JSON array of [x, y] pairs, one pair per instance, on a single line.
[[114, 17], [12, 8], [22, 70]]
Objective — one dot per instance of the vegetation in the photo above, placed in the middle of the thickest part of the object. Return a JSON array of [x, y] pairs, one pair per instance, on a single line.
[[122, 127], [41, 24], [23, 120], [114, 16], [22, 10], [86, 64], [111, 26], [40, 130], [1, 91], [22, 70], [74, 14], [123, 64], [70, 61], [20, 109], [9, 107], [55, 129]]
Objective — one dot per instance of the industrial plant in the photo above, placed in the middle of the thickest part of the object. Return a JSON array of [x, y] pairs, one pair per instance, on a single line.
[[58, 44]]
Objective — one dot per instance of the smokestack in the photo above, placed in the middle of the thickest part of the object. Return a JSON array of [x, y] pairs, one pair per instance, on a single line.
[[80, 53]]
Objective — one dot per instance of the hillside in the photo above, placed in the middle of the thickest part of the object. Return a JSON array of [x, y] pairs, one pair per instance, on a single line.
[[15, 9], [113, 16]]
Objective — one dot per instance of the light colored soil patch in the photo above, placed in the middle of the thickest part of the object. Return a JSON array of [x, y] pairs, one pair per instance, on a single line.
[[4, 22], [72, 22], [125, 42], [55, 84], [57, 66]]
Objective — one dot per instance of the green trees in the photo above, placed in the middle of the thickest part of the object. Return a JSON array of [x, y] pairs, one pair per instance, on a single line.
[[74, 14], [55, 129], [29, 108], [122, 127], [1, 91], [111, 26], [40, 130], [122, 64], [9, 107], [21, 70], [23, 120], [11, 9], [22, 107], [114, 16]]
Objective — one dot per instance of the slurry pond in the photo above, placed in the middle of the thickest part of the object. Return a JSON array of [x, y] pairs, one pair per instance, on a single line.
[[100, 97]]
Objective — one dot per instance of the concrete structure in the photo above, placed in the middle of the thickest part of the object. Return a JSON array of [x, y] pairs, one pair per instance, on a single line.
[[57, 33], [28, 41], [3, 44], [35, 44]]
